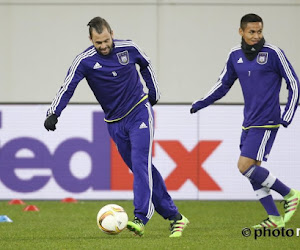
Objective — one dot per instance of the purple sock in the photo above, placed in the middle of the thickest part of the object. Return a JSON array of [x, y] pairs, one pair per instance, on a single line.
[[257, 174], [263, 177], [265, 199], [280, 187], [269, 205]]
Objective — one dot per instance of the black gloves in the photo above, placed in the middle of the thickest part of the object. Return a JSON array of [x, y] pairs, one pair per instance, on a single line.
[[284, 123], [192, 110], [50, 122], [152, 102], [196, 106]]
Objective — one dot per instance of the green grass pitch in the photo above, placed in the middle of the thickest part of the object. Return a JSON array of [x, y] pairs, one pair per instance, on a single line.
[[213, 225]]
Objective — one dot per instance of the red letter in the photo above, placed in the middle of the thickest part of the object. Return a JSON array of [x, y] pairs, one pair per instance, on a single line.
[[189, 165]]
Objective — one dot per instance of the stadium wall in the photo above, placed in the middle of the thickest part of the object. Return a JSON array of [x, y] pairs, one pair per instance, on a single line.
[[196, 154], [188, 41]]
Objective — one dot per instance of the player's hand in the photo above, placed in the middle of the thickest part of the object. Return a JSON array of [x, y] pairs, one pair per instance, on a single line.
[[152, 102], [284, 123], [196, 106], [192, 110], [50, 122]]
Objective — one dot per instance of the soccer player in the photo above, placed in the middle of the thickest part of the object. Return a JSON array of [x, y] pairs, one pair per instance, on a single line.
[[109, 66], [260, 67]]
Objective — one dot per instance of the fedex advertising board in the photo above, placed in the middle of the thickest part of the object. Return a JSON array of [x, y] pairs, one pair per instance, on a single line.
[[196, 154]]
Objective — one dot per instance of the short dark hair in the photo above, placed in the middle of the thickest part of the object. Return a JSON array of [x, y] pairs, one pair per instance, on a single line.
[[250, 18], [99, 24]]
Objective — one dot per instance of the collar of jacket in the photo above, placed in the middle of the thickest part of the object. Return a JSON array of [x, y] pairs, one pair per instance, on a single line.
[[251, 51]]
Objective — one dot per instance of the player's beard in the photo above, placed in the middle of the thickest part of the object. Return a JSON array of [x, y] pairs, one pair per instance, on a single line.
[[107, 50]]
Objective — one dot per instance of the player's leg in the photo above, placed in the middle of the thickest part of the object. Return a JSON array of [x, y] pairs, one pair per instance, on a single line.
[[261, 176], [137, 130], [263, 195], [147, 179], [255, 146], [162, 201], [165, 206], [121, 138], [140, 129]]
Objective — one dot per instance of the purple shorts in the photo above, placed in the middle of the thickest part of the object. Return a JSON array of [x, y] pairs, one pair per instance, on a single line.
[[256, 143]]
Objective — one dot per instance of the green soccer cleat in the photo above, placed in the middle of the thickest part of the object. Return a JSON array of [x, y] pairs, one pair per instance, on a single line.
[[136, 226], [291, 202], [272, 221], [177, 227]]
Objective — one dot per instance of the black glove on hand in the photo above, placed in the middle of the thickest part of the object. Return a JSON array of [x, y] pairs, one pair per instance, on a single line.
[[152, 102], [196, 106], [284, 123], [192, 111], [50, 122]]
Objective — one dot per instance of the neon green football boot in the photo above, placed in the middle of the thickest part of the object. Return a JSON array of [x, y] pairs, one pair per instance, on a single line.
[[291, 203], [177, 227], [136, 226], [271, 221]]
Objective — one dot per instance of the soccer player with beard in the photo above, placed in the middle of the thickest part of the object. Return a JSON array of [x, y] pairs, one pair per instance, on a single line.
[[260, 67], [109, 66]]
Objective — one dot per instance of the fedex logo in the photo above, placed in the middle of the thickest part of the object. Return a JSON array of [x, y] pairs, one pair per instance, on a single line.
[[108, 171]]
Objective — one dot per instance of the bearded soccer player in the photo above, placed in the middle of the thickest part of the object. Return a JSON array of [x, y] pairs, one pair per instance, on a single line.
[[260, 68], [109, 66]]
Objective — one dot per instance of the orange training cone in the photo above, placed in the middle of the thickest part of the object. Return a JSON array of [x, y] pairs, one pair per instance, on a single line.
[[69, 200], [31, 208], [16, 202]]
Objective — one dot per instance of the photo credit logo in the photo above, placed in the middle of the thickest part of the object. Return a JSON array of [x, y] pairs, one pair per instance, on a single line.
[[270, 232]]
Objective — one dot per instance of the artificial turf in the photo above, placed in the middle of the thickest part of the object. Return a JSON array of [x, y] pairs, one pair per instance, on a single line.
[[213, 225]]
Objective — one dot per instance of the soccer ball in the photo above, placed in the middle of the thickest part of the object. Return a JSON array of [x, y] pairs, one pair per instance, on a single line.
[[112, 219]]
